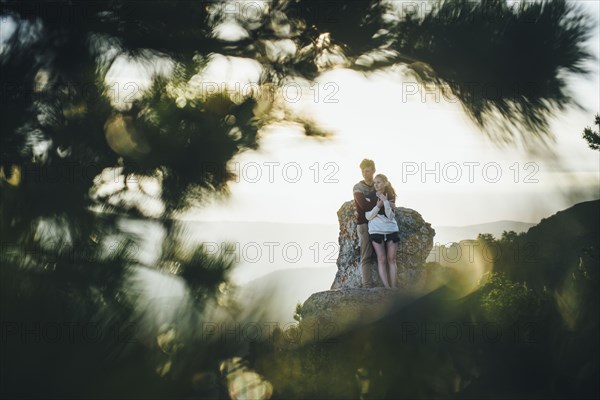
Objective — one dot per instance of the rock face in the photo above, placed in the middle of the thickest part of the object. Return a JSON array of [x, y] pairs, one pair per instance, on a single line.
[[416, 241], [330, 313]]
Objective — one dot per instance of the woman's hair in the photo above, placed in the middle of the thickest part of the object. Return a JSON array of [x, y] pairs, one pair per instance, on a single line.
[[388, 189]]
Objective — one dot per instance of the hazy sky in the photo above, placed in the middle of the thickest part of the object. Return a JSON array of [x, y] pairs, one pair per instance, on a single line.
[[390, 119]]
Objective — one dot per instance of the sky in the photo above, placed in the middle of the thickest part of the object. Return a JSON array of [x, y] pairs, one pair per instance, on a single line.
[[440, 163]]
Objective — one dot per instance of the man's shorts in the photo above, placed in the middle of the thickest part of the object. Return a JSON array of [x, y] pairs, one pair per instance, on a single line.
[[381, 237]]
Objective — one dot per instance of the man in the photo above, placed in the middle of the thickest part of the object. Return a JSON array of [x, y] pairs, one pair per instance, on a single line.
[[363, 204]]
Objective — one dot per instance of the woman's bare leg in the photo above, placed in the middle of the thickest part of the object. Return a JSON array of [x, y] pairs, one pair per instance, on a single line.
[[392, 248], [381, 262]]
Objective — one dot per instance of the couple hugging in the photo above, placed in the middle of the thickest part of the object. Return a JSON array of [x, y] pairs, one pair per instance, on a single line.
[[376, 225]]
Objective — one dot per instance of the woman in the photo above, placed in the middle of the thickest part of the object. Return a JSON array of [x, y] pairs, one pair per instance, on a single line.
[[383, 230]]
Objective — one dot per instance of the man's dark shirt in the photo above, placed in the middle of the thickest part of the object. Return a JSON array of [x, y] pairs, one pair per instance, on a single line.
[[363, 200]]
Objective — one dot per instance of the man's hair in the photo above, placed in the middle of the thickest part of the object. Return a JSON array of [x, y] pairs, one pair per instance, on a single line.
[[367, 163]]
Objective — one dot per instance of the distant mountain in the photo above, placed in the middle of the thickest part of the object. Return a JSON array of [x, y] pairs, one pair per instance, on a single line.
[[449, 234], [278, 292]]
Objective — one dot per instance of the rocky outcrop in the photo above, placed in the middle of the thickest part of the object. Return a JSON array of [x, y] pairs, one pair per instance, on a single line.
[[329, 313], [416, 241]]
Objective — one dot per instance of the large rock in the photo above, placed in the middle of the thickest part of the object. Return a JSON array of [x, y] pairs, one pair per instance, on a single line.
[[416, 241], [327, 314]]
